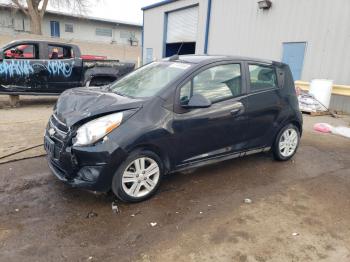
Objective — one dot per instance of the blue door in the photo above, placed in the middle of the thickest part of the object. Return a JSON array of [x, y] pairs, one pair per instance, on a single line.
[[293, 55], [55, 28]]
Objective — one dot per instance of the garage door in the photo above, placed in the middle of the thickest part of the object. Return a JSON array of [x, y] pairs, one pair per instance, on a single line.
[[182, 25]]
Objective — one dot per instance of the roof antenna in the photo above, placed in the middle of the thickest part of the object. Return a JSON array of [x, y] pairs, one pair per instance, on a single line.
[[176, 57], [178, 51]]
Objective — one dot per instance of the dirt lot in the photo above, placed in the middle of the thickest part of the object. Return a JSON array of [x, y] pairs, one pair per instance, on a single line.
[[300, 209], [23, 127]]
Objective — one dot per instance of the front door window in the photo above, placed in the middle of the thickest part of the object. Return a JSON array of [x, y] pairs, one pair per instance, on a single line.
[[23, 51], [216, 84]]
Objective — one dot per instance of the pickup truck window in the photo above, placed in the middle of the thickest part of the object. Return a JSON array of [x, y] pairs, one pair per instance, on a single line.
[[149, 79], [262, 78], [60, 52], [23, 51]]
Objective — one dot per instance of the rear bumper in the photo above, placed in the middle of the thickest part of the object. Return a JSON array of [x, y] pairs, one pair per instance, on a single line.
[[91, 167]]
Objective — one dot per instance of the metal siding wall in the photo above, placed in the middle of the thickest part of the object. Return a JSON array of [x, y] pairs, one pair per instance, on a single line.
[[239, 27], [340, 103], [154, 26]]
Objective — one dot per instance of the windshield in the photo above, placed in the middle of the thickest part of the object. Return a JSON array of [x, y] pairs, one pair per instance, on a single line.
[[149, 79]]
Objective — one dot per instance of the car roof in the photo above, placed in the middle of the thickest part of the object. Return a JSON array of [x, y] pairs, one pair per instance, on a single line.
[[204, 59]]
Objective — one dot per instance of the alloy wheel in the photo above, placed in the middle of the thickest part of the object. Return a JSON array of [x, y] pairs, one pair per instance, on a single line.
[[140, 177], [288, 142]]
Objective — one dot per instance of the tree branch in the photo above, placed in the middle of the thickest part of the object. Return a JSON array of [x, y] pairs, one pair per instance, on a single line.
[[21, 7], [43, 8]]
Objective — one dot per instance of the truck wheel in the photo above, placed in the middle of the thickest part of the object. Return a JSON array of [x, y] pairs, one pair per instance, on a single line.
[[138, 177], [101, 80], [286, 143]]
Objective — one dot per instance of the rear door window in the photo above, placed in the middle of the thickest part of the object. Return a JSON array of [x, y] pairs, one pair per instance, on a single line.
[[262, 77], [216, 84], [60, 52]]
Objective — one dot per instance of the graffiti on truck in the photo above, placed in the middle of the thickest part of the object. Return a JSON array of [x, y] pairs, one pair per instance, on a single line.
[[16, 68], [23, 68], [56, 68]]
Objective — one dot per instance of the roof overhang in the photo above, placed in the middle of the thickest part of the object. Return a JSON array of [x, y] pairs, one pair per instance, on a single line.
[[164, 2]]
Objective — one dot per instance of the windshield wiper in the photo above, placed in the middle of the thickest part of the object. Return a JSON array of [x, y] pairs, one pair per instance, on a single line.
[[109, 88]]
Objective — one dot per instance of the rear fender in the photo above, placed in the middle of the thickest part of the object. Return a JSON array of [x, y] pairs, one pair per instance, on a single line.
[[292, 120]]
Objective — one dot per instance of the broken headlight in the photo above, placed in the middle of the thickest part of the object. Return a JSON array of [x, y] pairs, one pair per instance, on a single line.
[[96, 129]]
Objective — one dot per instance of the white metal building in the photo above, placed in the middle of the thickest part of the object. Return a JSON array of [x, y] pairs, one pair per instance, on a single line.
[[312, 36]]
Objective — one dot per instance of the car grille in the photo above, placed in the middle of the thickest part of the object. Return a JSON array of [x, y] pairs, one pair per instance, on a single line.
[[58, 125], [61, 136]]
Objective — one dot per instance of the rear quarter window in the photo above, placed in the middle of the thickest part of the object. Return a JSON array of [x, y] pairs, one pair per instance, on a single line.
[[262, 78]]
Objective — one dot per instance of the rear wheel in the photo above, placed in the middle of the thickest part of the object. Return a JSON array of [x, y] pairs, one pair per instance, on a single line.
[[286, 143], [100, 81], [138, 178]]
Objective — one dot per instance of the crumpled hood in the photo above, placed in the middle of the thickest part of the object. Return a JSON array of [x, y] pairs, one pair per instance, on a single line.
[[77, 104]]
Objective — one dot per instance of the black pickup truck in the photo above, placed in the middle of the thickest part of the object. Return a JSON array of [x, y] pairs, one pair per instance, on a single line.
[[43, 67]]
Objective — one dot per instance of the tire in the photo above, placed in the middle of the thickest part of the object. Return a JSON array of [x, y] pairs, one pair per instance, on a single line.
[[101, 80], [131, 182], [286, 143]]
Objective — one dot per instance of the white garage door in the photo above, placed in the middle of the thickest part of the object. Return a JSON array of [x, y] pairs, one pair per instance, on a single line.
[[182, 25]]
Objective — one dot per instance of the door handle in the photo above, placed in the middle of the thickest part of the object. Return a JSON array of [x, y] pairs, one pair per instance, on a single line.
[[238, 107]]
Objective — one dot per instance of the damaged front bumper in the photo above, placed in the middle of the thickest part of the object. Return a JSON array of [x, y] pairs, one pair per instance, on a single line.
[[85, 177], [90, 167]]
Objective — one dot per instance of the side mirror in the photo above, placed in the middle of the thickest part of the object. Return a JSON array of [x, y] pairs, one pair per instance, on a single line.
[[198, 101]]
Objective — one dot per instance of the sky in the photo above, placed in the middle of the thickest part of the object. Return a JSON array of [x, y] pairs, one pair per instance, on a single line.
[[123, 10]]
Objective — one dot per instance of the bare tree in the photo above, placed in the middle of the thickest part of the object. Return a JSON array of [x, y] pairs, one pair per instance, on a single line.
[[35, 9]]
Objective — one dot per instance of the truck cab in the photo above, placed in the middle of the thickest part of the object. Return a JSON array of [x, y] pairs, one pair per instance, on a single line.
[[44, 67]]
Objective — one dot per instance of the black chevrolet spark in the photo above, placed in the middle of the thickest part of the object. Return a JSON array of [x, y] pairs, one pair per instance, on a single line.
[[171, 115]]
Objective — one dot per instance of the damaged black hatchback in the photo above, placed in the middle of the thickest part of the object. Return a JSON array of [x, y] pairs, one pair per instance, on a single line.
[[178, 113]]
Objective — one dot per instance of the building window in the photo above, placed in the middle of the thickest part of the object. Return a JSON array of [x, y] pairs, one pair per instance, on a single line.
[[125, 34], [104, 31], [68, 28], [19, 24]]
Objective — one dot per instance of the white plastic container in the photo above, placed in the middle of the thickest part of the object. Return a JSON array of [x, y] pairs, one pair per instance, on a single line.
[[321, 89]]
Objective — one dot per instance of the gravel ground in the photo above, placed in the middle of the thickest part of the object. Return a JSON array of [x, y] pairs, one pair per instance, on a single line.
[[300, 209]]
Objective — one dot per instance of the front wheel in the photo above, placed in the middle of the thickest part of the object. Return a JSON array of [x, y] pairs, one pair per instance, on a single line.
[[138, 178], [286, 143]]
